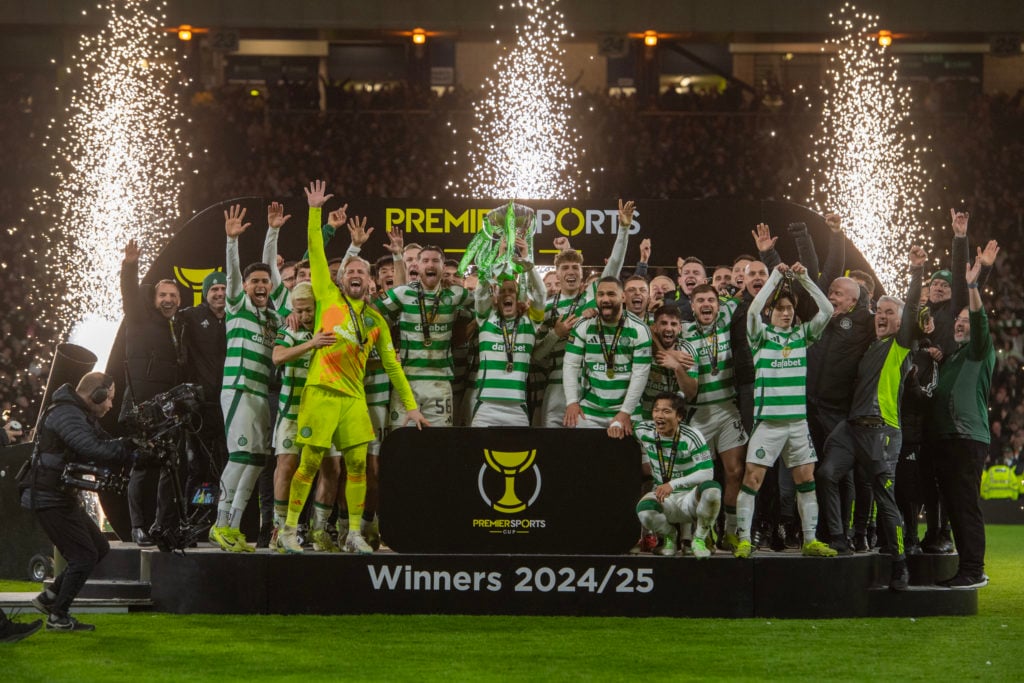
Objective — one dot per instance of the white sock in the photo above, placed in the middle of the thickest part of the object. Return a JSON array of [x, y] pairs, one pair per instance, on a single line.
[[321, 513], [744, 512], [731, 521], [707, 511], [807, 505], [228, 484], [246, 484]]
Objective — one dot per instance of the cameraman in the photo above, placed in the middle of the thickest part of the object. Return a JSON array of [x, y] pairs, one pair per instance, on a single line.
[[70, 432]]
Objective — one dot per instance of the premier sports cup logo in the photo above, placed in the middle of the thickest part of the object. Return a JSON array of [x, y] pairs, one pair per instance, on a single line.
[[509, 464]]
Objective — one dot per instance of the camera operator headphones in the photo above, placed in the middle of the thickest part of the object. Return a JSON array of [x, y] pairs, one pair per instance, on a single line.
[[102, 392]]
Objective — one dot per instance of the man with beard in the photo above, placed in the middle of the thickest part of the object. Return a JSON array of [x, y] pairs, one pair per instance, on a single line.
[[153, 366], [674, 370], [251, 329], [204, 346], [780, 361], [610, 356], [713, 410], [721, 280], [332, 410], [960, 430], [507, 337], [685, 491], [573, 301], [691, 273], [426, 311], [871, 437]]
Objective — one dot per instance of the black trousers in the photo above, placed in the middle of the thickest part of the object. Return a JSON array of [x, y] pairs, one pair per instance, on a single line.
[[140, 504], [81, 543], [821, 422], [875, 450], [908, 493], [959, 464]]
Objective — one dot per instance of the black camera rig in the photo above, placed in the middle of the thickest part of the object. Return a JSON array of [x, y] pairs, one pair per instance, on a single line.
[[158, 428]]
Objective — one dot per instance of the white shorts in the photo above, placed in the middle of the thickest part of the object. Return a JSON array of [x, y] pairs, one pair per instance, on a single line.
[[789, 439], [592, 422], [434, 398], [552, 408], [246, 422], [679, 507], [284, 437], [720, 424], [495, 414], [378, 418]]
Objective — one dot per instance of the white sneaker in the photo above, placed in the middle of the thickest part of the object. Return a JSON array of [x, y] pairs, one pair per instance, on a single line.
[[288, 541], [355, 543]]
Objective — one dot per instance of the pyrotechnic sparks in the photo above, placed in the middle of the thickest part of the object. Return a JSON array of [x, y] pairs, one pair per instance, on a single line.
[[116, 160], [523, 144], [866, 160]]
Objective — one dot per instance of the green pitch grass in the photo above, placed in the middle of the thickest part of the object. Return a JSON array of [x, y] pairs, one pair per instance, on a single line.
[[160, 647]]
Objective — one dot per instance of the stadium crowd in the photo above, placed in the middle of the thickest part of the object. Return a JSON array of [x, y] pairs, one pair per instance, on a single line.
[[395, 145]]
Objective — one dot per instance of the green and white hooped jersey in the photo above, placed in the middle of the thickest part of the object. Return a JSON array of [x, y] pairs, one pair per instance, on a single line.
[[250, 339], [293, 374], [376, 381], [663, 379], [691, 453], [556, 307], [601, 395], [780, 366], [712, 386], [422, 361], [493, 381]]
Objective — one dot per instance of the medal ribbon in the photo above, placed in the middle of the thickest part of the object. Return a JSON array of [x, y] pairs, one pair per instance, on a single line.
[[424, 318], [609, 353], [666, 472], [510, 339]]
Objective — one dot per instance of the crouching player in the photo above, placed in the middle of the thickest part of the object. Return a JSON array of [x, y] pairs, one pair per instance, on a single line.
[[684, 491], [333, 405], [780, 403]]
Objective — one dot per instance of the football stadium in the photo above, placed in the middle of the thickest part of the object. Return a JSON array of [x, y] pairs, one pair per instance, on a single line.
[[579, 342]]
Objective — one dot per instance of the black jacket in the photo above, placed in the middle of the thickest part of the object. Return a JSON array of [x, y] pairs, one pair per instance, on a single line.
[[832, 362], [204, 345], [69, 433], [151, 341]]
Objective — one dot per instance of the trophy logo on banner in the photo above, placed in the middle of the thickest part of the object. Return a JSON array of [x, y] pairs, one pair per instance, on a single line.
[[509, 464]]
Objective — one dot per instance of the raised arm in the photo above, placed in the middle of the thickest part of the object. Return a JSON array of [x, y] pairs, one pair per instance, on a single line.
[[482, 299], [755, 328], [395, 245], [275, 219], [835, 260], [762, 235], [645, 257], [908, 323], [131, 301], [233, 228], [618, 255], [960, 261], [817, 324], [319, 271], [981, 339]]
